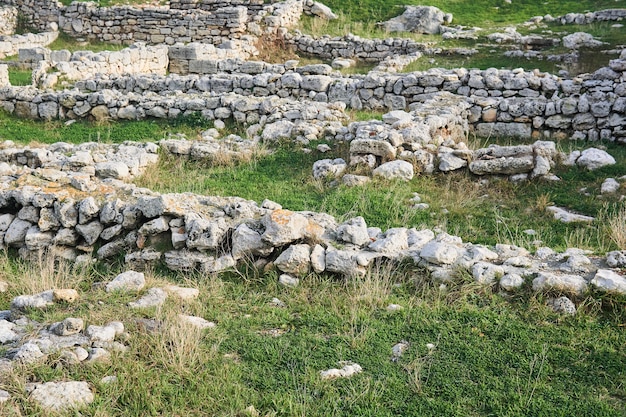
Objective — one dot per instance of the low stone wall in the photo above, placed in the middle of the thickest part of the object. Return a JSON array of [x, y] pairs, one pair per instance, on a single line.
[[503, 102], [41, 15], [137, 59], [201, 58], [254, 6], [8, 20], [209, 22], [351, 46], [10, 45], [123, 24], [74, 215], [607, 15]]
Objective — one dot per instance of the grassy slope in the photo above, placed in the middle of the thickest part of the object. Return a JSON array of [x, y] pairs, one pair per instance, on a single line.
[[472, 13], [491, 357]]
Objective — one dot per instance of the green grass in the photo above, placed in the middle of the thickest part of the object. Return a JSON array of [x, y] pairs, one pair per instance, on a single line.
[[475, 13], [27, 131], [493, 355], [20, 77], [65, 41]]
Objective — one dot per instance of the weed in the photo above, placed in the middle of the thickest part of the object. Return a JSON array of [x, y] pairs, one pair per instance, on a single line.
[[617, 227]]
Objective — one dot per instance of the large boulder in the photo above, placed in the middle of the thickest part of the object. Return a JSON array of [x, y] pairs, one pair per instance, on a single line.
[[418, 19]]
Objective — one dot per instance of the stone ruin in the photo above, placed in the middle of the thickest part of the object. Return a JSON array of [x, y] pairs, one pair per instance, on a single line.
[[78, 201]]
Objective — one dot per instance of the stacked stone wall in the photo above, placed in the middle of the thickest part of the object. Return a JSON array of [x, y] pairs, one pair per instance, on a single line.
[[8, 20], [354, 47], [123, 24], [11, 44], [503, 102]]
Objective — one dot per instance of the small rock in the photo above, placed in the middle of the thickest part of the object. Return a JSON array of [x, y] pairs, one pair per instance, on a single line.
[[64, 295], [98, 354], [398, 350], [40, 300], [4, 396], [127, 281], [609, 186], [182, 292], [568, 217], [277, 303], [609, 281], [153, 298], [198, 322], [394, 307], [288, 281], [67, 327], [346, 371], [594, 158], [109, 379], [28, 353], [562, 305], [395, 170], [616, 259], [59, 396]]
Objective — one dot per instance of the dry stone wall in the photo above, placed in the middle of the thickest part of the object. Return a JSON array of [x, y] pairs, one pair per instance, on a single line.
[[502, 102], [11, 44], [351, 46], [55, 200], [8, 20], [138, 59], [123, 24]]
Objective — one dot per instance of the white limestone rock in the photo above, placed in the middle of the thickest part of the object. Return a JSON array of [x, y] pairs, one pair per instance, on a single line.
[[329, 168], [594, 158], [395, 170], [348, 369], [284, 226], [154, 297], [195, 321], [60, 396], [418, 19], [127, 281], [288, 281], [548, 281], [184, 293], [562, 305], [616, 259], [609, 186], [7, 335], [354, 231], [67, 327], [486, 273], [440, 252], [248, 242], [296, 259], [41, 300], [511, 282], [568, 217], [609, 281], [321, 10], [395, 241]]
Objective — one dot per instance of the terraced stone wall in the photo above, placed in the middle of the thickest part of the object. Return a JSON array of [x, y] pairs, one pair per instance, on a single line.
[[502, 102]]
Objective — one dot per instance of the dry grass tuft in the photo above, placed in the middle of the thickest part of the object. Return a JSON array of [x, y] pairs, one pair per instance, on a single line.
[[617, 227], [45, 273], [177, 345]]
